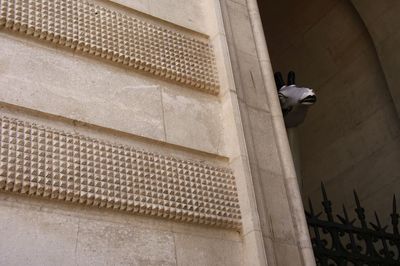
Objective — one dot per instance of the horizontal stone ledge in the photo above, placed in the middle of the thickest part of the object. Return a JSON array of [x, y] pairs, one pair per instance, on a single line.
[[50, 163], [124, 39]]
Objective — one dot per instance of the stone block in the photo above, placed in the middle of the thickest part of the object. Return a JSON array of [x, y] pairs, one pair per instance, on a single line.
[[79, 88], [190, 14], [127, 40], [140, 5], [246, 195], [260, 198], [277, 208], [31, 237], [337, 114], [49, 163], [263, 139], [346, 152], [242, 31], [103, 243], [195, 250], [253, 249], [252, 83], [193, 120], [287, 255]]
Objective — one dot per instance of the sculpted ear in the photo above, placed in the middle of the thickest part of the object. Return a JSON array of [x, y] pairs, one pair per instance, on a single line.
[[291, 78], [279, 80]]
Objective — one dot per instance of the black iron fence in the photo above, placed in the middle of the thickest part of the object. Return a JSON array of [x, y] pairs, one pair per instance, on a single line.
[[340, 240]]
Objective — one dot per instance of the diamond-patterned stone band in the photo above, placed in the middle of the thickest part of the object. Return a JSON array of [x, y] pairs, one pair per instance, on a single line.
[[99, 31], [49, 163]]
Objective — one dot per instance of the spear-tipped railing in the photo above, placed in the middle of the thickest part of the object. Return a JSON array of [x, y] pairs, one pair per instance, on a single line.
[[339, 240]]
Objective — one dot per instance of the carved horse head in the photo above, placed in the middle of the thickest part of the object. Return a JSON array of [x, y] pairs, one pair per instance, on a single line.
[[294, 100]]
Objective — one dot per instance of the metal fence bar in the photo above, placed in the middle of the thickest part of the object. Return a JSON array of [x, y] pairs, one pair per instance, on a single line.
[[339, 240]]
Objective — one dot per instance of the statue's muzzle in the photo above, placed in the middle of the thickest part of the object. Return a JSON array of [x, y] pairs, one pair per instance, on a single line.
[[309, 100]]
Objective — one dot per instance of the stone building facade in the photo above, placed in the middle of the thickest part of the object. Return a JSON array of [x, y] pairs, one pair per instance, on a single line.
[[143, 133]]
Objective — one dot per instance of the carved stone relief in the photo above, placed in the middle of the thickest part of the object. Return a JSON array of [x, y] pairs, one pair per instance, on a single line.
[[106, 33], [49, 163]]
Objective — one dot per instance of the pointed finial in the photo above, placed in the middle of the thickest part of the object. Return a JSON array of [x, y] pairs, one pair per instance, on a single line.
[[310, 205], [324, 195], [357, 199], [395, 217], [345, 212], [378, 223], [291, 78], [326, 203]]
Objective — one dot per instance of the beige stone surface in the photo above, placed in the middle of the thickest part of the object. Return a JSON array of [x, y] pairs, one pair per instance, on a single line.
[[139, 5], [108, 243], [265, 151], [254, 253], [104, 97], [187, 13], [195, 250], [190, 14], [286, 255], [80, 88], [252, 81], [39, 232], [28, 234], [141, 45], [193, 123], [242, 34], [264, 148], [45, 162], [277, 208]]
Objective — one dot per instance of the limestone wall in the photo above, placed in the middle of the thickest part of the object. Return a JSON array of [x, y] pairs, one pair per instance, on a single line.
[[122, 140], [44, 82], [277, 226], [350, 138]]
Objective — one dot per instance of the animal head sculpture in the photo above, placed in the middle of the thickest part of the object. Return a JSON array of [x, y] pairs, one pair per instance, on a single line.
[[294, 100]]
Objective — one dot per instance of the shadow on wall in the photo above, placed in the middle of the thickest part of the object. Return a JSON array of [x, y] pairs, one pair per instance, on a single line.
[[350, 138], [383, 24]]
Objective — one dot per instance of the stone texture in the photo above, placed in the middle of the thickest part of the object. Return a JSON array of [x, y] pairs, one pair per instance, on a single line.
[[195, 250], [202, 113], [41, 232], [257, 111], [264, 150], [121, 245], [252, 81], [39, 161], [383, 25], [26, 244], [254, 253], [92, 29], [277, 210], [139, 5], [79, 88], [350, 137], [286, 255], [85, 90], [242, 34], [190, 14]]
